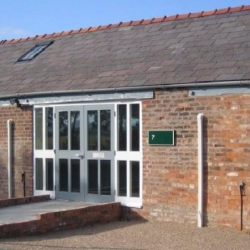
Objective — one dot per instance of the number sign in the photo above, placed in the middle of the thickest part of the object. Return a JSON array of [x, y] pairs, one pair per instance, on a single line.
[[161, 137]]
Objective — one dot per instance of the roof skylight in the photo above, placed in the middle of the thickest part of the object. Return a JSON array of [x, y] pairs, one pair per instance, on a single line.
[[35, 51]]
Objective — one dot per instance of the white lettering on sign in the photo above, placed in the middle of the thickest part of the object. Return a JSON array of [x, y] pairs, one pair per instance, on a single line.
[[98, 155], [153, 136]]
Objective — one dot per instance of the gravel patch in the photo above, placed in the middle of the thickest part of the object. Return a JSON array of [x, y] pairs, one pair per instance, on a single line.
[[135, 235]]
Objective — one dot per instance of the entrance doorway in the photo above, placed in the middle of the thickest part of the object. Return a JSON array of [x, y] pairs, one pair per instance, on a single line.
[[89, 152], [84, 153]]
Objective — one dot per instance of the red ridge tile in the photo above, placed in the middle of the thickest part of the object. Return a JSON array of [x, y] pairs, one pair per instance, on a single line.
[[57, 34], [104, 27], [196, 14], [40, 37], [209, 13], [92, 29], [8, 41], [236, 9], [135, 23], [247, 7], [222, 11], [183, 16], [66, 32], [158, 20], [147, 21], [75, 31], [16, 40], [125, 24], [171, 18], [115, 25], [48, 36]]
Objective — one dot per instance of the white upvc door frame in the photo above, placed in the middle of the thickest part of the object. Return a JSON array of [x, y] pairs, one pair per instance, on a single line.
[[127, 156]]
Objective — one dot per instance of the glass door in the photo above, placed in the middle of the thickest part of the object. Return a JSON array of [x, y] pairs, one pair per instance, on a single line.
[[99, 153], [69, 148]]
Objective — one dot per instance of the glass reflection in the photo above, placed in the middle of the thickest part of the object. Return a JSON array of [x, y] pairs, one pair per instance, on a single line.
[[135, 175], [122, 178], [63, 130], [92, 120], [105, 129], [105, 177], [49, 128], [122, 127], [63, 175], [135, 127], [39, 128], [49, 175], [75, 130], [92, 176], [75, 176], [39, 174]]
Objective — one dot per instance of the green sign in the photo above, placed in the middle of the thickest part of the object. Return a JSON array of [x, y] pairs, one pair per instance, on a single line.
[[161, 137]]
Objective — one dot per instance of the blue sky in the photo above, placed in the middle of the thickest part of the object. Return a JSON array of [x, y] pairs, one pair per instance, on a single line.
[[31, 17]]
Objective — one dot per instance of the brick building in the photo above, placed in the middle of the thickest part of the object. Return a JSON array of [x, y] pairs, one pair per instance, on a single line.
[[82, 104]]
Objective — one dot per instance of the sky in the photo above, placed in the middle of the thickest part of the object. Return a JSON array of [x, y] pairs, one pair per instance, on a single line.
[[24, 18]]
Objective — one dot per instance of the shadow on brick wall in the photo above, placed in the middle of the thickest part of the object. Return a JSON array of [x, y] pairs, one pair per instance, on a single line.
[[131, 214]]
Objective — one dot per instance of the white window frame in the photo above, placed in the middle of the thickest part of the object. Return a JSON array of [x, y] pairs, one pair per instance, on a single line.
[[127, 156], [43, 153]]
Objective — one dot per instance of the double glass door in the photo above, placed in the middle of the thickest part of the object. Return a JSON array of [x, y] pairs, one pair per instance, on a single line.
[[84, 152]]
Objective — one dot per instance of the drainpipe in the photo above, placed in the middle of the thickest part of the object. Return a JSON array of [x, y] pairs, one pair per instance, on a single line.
[[10, 157], [200, 169]]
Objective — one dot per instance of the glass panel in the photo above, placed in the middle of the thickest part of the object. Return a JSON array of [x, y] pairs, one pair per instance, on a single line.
[[92, 130], [75, 176], [63, 130], [135, 179], [135, 127], [122, 178], [49, 175], [122, 127], [92, 176], [75, 130], [105, 130], [63, 175], [105, 177], [49, 128], [39, 128], [39, 174]]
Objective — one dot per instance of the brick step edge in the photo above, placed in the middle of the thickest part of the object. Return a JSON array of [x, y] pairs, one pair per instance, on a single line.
[[63, 220]]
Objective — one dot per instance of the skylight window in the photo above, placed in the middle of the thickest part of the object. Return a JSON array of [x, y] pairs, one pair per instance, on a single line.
[[35, 51]]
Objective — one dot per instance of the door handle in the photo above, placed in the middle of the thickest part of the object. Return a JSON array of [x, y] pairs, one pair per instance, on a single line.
[[80, 156]]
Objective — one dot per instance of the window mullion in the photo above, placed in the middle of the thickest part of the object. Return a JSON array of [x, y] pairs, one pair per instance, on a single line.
[[128, 128]]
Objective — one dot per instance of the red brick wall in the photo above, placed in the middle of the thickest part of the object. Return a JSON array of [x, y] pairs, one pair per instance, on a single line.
[[22, 139], [170, 172]]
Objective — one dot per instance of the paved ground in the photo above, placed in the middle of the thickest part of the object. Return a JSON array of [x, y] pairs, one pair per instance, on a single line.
[[29, 211], [134, 235]]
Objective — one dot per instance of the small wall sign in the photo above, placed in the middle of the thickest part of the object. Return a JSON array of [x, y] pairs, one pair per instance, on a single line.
[[161, 137]]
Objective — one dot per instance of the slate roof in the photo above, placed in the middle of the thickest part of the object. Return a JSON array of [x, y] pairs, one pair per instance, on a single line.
[[199, 47]]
